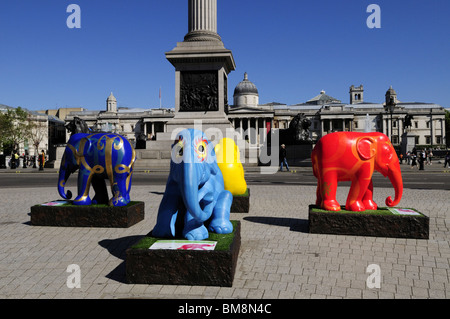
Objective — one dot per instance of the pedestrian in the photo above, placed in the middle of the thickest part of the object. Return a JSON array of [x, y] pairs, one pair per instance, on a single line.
[[283, 159], [42, 160], [24, 157], [413, 160], [422, 158], [429, 157], [447, 160], [408, 157], [17, 158], [12, 161]]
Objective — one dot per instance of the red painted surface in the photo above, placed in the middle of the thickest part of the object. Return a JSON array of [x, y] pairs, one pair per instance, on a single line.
[[352, 156]]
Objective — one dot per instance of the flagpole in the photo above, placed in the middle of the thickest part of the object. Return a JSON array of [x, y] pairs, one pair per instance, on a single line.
[[160, 104]]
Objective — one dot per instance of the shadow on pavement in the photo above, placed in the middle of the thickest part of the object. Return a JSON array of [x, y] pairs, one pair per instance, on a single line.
[[117, 248], [294, 224]]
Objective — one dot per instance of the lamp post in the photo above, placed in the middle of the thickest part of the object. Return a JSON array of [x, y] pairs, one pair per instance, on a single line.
[[390, 107], [431, 127]]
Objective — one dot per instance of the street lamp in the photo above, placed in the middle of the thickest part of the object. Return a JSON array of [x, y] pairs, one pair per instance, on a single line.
[[391, 107], [431, 127]]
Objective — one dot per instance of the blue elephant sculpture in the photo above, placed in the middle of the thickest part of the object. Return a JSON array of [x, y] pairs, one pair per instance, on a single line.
[[98, 157], [195, 199]]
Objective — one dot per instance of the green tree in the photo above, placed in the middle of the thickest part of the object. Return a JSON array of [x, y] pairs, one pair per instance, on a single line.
[[14, 127]]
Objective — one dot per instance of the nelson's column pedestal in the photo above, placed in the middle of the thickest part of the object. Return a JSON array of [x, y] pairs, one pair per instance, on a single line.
[[202, 64]]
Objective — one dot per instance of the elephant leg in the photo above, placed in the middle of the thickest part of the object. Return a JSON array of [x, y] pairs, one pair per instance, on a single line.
[[193, 229], [121, 197], [319, 200], [328, 187], [83, 188], [220, 221], [168, 212], [368, 198], [101, 192], [357, 191]]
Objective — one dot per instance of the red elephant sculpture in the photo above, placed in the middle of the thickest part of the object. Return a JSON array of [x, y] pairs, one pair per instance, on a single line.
[[352, 156]]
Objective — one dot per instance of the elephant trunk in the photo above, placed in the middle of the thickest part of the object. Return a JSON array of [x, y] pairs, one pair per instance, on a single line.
[[190, 191], [395, 176], [64, 173]]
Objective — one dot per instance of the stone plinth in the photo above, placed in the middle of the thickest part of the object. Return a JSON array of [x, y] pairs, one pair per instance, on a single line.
[[184, 267], [379, 223], [88, 216], [241, 203], [299, 155], [202, 64]]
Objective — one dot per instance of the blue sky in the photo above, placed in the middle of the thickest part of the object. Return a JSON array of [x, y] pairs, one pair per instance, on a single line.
[[291, 49]]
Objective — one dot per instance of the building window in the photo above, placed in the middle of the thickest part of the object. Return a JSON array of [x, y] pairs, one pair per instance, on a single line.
[[427, 140], [416, 124], [355, 124], [394, 139], [428, 124], [326, 125], [439, 139], [417, 139]]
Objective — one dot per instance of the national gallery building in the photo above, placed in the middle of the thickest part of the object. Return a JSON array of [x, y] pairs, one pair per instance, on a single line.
[[327, 114]]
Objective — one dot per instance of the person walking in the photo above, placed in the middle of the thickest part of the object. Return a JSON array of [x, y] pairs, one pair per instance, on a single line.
[[422, 158], [429, 157], [283, 159], [41, 160], [447, 160], [17, 158], [413, 160]]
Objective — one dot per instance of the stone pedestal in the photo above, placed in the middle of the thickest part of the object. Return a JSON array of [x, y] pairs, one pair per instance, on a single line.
[[408, 142], [299, 155], [88, 216], [202, 64], [184, 267], [381, 223], [241, 203]]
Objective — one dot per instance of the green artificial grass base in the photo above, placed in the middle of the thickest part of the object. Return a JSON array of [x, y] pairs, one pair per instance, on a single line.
[[383, 222], [381, 211], [223, 240]]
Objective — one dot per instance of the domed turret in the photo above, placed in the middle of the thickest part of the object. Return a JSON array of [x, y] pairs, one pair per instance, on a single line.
[[391, 96], [111, 103], [246, 93]]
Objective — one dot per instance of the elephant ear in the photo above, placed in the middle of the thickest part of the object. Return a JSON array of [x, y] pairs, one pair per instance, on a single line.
[[84, 147], [366, 148]]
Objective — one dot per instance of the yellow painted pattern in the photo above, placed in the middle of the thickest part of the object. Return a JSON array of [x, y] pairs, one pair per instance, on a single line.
[[228, 160]]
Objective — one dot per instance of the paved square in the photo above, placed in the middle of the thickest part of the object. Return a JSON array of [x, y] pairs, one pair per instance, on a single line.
[[278, 258]]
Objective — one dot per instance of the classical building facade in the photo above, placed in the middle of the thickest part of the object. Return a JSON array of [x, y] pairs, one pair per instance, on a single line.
[[326, 113], [134, 123]]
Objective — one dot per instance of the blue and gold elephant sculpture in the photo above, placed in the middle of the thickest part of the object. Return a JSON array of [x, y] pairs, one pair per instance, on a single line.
[[98, 157], [195, 199]]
